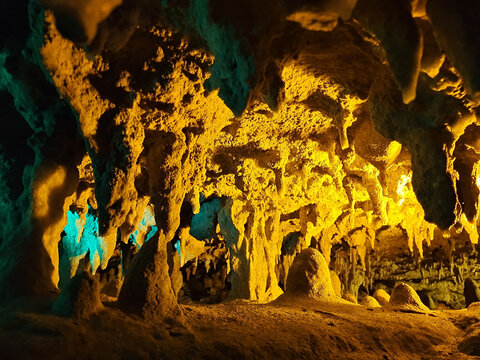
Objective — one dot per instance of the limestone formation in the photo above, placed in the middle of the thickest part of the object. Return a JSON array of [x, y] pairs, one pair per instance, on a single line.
[[471, 292], [147, 290], [350, 297], [79, 20], [403, 47], [209, 151], [369, 301], [458, 44], [404, 297], [80, 298], [336, 283], [309, 275], [381, 296], [238, 135]]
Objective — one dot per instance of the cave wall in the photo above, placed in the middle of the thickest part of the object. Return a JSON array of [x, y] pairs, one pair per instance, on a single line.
[[346, 126]]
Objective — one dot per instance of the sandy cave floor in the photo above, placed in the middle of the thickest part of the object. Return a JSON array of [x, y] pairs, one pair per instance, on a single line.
[[241, 331]]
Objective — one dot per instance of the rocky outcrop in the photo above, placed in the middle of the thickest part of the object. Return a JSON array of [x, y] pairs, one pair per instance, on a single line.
[[369, 301], [147, 290], [350, 298]]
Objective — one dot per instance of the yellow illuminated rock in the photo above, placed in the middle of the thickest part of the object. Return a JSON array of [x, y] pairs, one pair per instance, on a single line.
[[381, 296]]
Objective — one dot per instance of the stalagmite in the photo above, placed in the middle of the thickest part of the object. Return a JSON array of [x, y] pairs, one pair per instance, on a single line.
[[381, 296], [369, 301], [350, 297], [404, 297], [80, 298], [471, 292], [147, 290], [309, 276], [336, 283]]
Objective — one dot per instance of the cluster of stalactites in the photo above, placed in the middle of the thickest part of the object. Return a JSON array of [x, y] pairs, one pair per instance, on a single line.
[[283, 128]]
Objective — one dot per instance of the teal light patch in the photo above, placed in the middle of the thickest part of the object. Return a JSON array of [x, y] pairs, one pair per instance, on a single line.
[[290, 243], [81, 236], [227, 227], [145, 229], [151, 233], [232, 69], [6, 205], [204, 223], [178, 247]]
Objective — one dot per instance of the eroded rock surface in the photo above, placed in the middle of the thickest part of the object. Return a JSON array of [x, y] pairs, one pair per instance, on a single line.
[[404, 297], [309, 275], [80, 298]]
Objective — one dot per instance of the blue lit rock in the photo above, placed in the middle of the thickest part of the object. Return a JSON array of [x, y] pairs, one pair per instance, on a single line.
[[80, 298]]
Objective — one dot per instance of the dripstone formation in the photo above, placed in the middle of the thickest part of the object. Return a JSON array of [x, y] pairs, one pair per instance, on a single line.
[[190, 150]]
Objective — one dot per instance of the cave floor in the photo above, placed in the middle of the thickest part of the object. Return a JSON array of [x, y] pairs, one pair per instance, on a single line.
[[242, 330]]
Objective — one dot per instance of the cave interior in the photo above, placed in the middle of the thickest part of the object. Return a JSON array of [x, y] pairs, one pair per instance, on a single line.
[[219, 179]]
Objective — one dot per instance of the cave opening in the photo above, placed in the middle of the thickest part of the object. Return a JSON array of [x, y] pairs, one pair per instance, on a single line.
[[239, 180]]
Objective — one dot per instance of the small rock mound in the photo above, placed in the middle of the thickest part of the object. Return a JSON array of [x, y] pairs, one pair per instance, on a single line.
[[471, 291], [474, 307], [350, 297], [309, 275], [406, 298], [381, 296], [80, 298], [370, 301]]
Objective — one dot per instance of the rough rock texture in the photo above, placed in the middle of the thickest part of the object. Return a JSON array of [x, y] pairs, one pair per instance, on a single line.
[[80, 298], [350, 297], [336, 283], [381, 296], [403, 47], [405, 298], [369, 301], [147, 290], [309, 275], [244, 330], [460, 30], [471, 292]]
